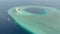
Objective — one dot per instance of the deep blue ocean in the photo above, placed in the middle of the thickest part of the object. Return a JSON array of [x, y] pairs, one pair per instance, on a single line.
[[9, 26]]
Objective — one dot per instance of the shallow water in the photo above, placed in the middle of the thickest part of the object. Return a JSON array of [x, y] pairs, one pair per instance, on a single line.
[[38, 24]]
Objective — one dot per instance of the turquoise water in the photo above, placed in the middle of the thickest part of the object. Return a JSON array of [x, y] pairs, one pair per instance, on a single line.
[[39, 21]]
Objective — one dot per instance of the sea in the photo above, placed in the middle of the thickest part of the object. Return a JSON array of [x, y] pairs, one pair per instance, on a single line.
[[8, 25]]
